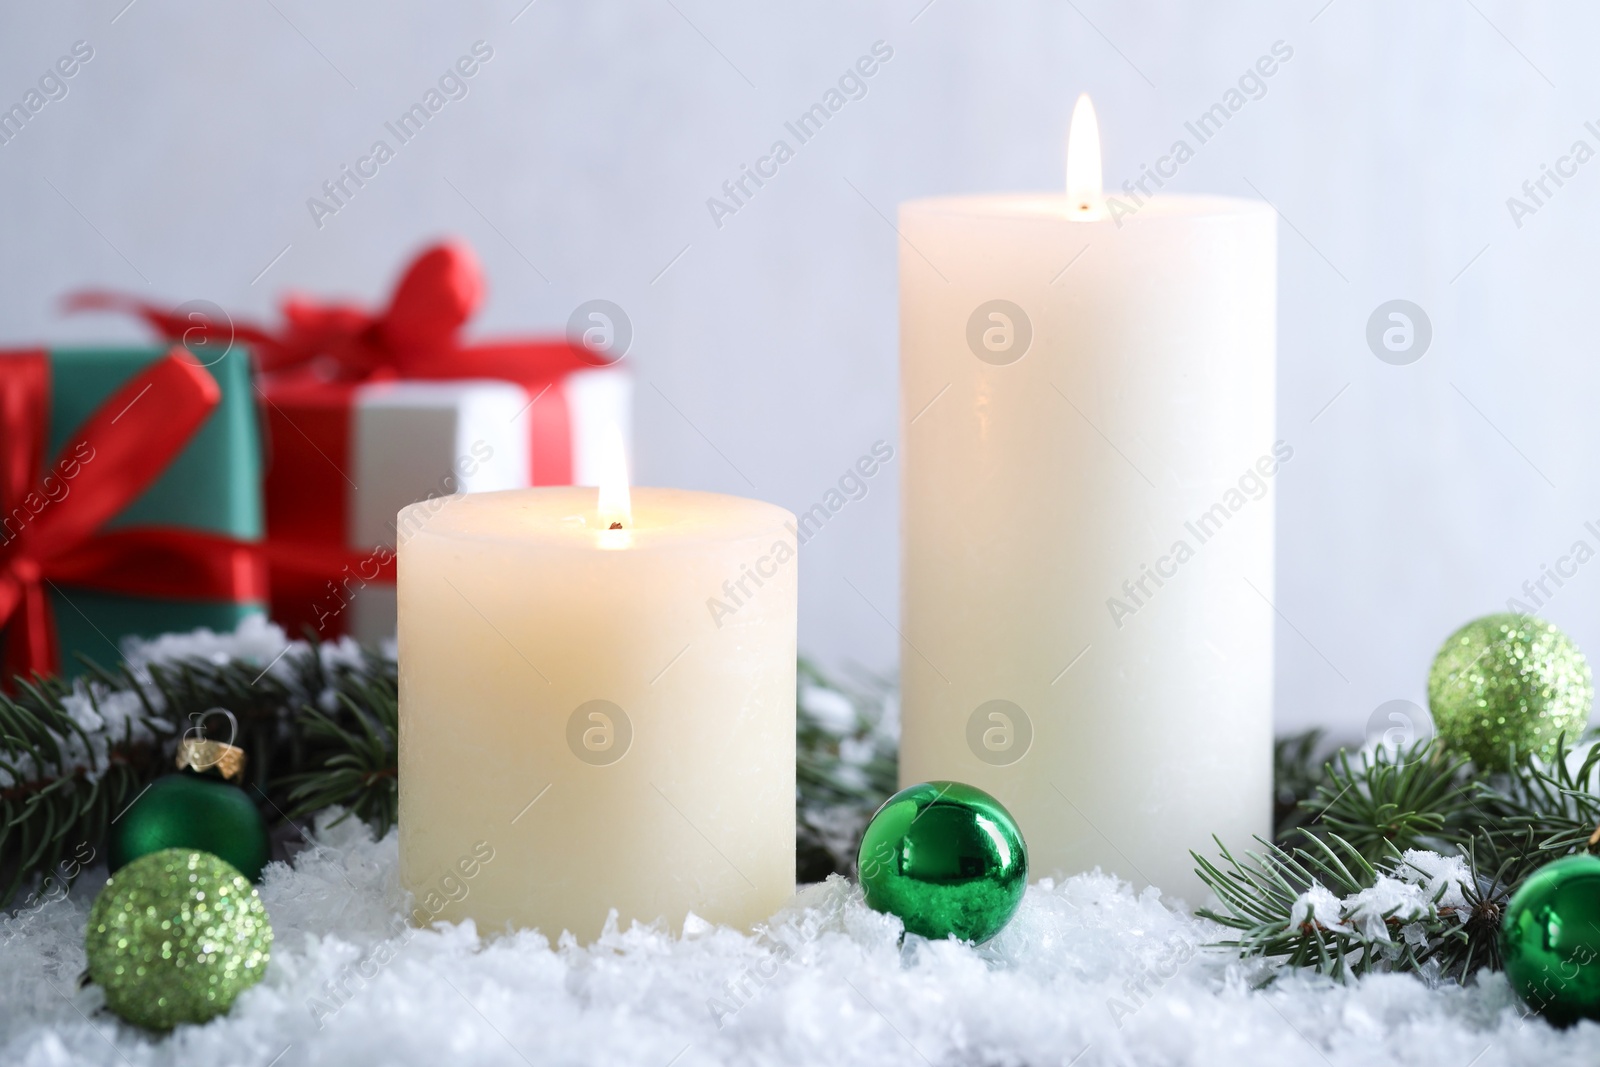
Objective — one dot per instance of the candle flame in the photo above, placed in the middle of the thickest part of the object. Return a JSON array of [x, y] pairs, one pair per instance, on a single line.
[[1084, 180], [615, 507]]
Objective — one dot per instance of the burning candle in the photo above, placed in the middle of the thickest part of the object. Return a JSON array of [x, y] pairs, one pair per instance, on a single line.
[[596, 707], [1087, 391]]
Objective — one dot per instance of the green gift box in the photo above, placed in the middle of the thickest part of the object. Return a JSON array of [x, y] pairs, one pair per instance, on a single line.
[[209, 494]]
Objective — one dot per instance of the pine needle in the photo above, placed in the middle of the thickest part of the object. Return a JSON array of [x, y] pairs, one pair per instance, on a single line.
[[1355, 819]]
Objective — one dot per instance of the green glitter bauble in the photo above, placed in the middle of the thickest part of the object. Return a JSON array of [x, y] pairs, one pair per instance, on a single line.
[[174, 937], [1508, 679], [192, 811], [1550, 940], [947, 859]]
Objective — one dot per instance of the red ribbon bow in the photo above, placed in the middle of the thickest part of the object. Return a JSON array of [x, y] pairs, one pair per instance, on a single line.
[[416, 336], [52, 517], [322, 351]]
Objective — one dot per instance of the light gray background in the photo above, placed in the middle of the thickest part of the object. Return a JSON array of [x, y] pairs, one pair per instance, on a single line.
[[179, 166]]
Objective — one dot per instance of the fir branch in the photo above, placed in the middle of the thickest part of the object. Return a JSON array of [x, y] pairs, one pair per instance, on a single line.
[[1259, 894], [351, 756], [1358, 821], [1554, 803], [1270, 899], [1296, 773], [59, 792], [1389, 801], [843, 770]]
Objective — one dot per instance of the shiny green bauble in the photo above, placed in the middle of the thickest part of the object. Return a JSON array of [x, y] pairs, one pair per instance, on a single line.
[[946, 858], [1506, 680], [1550, 940], [175, 937], [187, 810]]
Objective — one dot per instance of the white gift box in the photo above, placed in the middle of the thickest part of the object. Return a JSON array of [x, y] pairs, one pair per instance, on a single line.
[[412, 440]]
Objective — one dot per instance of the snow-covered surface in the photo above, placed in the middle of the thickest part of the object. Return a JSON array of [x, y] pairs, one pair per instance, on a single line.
[[1087, 973]]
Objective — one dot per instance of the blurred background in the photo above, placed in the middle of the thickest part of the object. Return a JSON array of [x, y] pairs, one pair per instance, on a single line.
[[178, 162]]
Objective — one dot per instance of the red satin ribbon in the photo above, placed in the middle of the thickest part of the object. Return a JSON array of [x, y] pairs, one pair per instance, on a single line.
[[113, 457], [416, 336], [310, 561], [309, 367]]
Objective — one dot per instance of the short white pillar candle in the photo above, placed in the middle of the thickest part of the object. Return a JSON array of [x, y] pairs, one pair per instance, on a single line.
[[579, 703]]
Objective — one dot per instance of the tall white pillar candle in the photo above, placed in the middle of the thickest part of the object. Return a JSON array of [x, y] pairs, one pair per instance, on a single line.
[[596, 718], [1088, 423]]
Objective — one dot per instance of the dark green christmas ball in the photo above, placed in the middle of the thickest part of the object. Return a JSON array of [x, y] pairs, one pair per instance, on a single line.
[[1508, 679], [193, 811], [946, 858], [1550, 940], [175, 937]]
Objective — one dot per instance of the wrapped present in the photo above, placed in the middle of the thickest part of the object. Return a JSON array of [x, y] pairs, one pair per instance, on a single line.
[[367, 411], [347, 459], [130, 500]]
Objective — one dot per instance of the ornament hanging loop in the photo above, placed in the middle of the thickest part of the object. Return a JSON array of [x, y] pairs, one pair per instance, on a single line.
[[198, 730], [199, 753]]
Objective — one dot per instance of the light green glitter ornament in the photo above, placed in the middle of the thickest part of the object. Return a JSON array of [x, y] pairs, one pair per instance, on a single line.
[[175, 936], [1506, 680]]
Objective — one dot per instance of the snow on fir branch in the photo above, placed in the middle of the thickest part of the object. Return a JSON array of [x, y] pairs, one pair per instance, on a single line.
[[74, 754], [1400, 859]]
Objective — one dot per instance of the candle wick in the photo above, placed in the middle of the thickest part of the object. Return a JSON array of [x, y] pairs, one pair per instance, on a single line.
[[615, 526]]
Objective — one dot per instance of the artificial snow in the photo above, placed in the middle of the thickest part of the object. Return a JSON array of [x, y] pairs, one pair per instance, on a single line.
[[832, 709], [255, 640], [1089, 972], [1386, 898], [1444, 879], [1422, 885], [1317, 905]]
